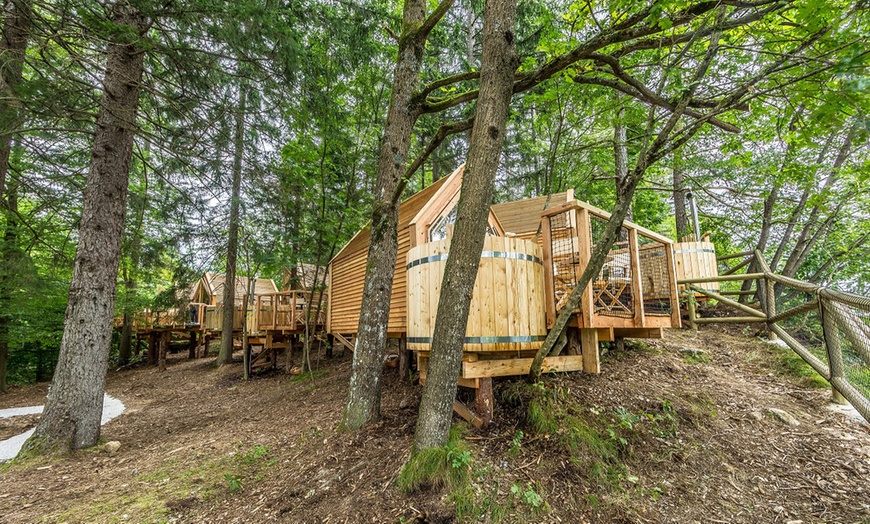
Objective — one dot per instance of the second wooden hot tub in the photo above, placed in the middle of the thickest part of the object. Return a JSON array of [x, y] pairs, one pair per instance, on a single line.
[[507, 311]]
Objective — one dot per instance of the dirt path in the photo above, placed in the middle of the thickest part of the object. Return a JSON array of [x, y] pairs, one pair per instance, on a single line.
[[200, 445]]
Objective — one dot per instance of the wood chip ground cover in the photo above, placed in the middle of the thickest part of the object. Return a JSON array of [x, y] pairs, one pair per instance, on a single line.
[[692, 440]]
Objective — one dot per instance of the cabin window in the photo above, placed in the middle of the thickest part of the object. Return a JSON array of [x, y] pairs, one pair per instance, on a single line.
[[443, 225]]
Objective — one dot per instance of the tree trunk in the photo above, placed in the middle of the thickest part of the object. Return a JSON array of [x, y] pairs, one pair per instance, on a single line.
[[364, 393], [13, 45], [163, 348], [73, 408], [8, 264], [226, 352], [620, 154], [652, 150], [805, 241], [126, 344], [681, 216], [498, 64]]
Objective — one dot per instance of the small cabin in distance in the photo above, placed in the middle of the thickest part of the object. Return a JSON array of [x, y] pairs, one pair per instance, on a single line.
[[212, 286]]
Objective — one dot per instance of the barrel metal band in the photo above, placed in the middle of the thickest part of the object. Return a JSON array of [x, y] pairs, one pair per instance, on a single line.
[[703, 250], [485, 254], [484, 340]]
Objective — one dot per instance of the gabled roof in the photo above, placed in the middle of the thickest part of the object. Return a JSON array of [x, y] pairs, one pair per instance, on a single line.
[[408, 209], [262, 286], [304, 276], [523, 216]]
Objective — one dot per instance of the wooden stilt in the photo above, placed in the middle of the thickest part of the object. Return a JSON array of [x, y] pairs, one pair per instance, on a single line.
[[485, 401], [589, 348], [191, 348], [330, 343], [152, 349], [288, 356], [206, 340], [690, 306], [164, 347], [403, 358]]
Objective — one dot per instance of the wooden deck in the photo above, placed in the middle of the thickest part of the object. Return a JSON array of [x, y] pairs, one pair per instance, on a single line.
[[271, 322]]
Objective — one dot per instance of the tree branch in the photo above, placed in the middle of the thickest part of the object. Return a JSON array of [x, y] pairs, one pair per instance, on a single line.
[[443, 132]]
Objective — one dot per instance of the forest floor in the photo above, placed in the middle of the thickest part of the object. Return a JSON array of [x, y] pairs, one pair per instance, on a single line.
[[677, 430]]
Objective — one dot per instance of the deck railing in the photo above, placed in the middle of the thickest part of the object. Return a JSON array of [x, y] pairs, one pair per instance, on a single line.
[[636, 282]]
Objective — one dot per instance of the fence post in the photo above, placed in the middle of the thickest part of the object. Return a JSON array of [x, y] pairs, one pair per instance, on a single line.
[[832, 347], [690, 305], [770, 300]]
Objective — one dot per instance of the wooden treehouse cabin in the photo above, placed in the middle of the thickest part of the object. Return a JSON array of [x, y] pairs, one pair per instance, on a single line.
[[269, 319], [533, 256]]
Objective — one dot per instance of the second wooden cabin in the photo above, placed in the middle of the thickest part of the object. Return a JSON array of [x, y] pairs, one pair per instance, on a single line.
[[528, 268]]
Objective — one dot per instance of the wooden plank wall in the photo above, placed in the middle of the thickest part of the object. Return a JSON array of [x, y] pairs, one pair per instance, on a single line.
[[348, 277], [696, 260], [507, 300]]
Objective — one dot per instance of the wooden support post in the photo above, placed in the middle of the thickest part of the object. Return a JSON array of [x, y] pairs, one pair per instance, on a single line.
[[206, 340], [138, 344], [584, 247], [403, 358], [164, 347], [191, 348], [589, 348], [549, 296], [152, 349], [288, 355], [330, 342], [636, 287], [690, 306], [484, 400], [673, 289], [835, 352], [770, 299]]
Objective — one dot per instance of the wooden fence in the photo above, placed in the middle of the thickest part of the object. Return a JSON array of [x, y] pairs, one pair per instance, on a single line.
[[827, 328]]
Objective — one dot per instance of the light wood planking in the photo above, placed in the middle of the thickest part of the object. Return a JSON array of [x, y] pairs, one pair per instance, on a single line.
[[519, 366], [507, 300]]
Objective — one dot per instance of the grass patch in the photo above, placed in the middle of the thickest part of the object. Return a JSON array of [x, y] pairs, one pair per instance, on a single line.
[[696, 358], [155, 491], [448, 466], [597, 441], [319, 373], [787, 362]]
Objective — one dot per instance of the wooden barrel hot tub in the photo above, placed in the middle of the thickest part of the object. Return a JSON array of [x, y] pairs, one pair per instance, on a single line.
[[507, 310], [696, 260]]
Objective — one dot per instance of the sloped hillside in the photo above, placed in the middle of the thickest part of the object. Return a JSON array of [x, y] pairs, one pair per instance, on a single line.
[[706, 427]]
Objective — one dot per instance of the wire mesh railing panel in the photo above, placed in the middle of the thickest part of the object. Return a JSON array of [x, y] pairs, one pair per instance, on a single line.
[[655, 279], [853, 339], [806, 327], [564, 246], [612, 294]]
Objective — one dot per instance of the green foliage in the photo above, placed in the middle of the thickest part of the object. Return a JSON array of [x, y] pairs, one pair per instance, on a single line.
[[527, 495], [234, 482], [597, 442], [516, 443], [448, 466]]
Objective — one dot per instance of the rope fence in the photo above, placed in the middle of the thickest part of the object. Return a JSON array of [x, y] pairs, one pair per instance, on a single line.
[[829, 329]]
